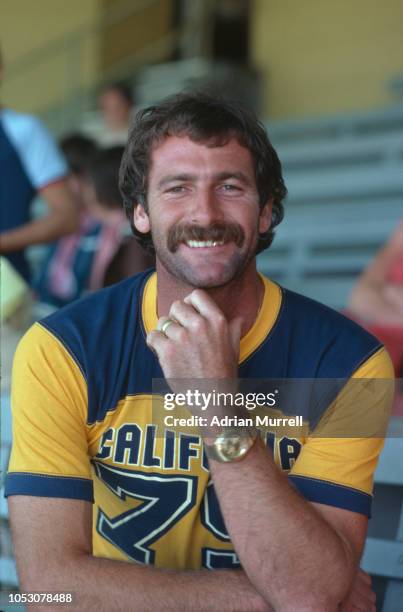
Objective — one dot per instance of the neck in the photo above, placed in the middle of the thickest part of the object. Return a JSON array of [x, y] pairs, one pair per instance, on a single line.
[[242, 297]]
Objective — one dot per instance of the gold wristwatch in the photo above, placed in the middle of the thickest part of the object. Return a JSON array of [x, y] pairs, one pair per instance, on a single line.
[[232, 444]]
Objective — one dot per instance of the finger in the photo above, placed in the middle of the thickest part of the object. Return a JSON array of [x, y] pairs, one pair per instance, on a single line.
[[362, 605], [162, 324], [361, 575], [365, 595], [363, 586], [369, 598], [204, 304], [360, 598], [156, 341], [185, 314], [235, 330], [171, 329], [355, 604]]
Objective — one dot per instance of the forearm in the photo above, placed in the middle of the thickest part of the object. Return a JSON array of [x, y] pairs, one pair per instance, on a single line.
[[39, 231], [294, 558], [102, 584]]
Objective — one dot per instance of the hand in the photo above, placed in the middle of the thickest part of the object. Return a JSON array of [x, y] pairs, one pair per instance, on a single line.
[[361, 596], [200, 343]]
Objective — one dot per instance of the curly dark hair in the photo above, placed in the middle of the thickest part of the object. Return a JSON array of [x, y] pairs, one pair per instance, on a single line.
[[203, 118]]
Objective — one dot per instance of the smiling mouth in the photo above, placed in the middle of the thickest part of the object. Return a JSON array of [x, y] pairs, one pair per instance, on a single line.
[[194, 236], [197, 244]]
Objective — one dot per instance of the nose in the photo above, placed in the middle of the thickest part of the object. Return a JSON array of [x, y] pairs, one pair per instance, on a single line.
[[205, 208]]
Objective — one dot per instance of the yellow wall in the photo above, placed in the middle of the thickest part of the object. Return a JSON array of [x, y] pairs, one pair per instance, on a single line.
[[136, 32], [322, 56], [27, 25], [33, 83], [316, 56]]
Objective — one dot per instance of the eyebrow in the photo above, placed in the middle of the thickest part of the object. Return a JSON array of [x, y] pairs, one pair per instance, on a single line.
[[221, 176], [170, 178], [240, 176]]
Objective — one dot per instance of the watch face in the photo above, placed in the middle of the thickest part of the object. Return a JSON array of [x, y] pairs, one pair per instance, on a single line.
[[232, 446]]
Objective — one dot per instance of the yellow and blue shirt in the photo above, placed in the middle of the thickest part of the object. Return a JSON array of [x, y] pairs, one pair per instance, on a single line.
[[83, 426]]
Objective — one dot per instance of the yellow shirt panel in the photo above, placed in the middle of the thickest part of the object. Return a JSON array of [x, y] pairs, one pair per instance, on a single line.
[[345, 446], [49, 404]]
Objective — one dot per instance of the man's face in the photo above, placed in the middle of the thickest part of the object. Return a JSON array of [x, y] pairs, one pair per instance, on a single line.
[[203, 210]]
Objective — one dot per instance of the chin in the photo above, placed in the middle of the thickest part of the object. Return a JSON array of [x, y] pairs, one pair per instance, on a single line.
[[208, 276], [208, 283], [208, 279]]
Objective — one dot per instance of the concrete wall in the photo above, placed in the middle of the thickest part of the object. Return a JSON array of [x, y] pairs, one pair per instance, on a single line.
[[321, 56]]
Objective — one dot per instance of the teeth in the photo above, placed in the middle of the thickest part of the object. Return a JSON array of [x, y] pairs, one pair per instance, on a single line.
[[206, 243]]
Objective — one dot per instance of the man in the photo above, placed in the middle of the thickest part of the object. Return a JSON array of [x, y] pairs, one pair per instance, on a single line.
[[30, 164], [202, 183], [116, 107]]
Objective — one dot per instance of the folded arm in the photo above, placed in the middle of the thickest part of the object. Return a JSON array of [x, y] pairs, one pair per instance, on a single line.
[[298, 555], [53, 548]]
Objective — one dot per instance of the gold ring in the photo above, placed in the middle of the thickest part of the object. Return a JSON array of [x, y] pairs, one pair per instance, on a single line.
[[165, 325]]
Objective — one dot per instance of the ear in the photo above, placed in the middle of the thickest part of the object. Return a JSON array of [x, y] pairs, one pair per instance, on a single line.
[[141, 220], [265, 217]]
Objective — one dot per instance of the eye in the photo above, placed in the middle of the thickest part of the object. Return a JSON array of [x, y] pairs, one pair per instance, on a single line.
[[176, 189], [230, 188]]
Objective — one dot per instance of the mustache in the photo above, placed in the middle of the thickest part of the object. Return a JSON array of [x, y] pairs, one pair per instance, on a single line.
[[216, 232]]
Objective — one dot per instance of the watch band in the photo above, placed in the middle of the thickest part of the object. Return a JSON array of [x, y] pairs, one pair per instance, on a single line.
[[232, 444]]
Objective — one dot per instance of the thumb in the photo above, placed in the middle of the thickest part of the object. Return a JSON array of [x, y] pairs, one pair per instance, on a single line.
[[235, 328]]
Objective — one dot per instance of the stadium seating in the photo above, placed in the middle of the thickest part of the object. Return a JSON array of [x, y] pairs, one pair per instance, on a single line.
[[345, 181], [383, 554]]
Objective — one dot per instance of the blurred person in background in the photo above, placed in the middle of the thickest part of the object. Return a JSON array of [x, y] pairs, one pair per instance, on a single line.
[[377, 299], [116, 104], [101, 252], [118, 255], [79, 152], [30, 164], [65, 272], [378, 295]]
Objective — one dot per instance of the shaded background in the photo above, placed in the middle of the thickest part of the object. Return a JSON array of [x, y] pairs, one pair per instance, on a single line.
[[326, 78], [311, 57]]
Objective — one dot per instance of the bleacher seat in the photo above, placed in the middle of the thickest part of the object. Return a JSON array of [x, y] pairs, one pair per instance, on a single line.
[[383, 554], [345, 181]]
